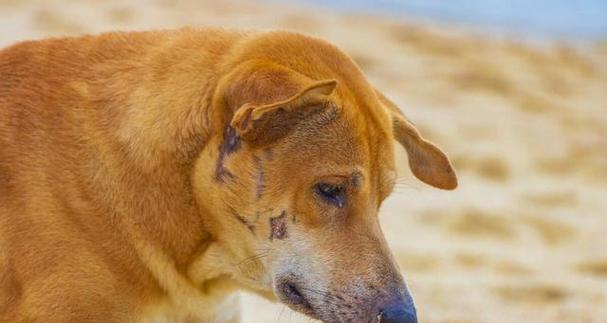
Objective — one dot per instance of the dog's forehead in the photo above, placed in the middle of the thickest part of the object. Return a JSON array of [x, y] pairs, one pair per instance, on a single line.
[[345, 136], [334, 140]]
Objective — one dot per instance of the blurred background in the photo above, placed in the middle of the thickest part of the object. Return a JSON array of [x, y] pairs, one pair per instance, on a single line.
[[514, 91]]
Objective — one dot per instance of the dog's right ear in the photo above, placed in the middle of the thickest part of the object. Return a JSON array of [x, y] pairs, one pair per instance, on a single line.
[[427, 162], [270, 100]]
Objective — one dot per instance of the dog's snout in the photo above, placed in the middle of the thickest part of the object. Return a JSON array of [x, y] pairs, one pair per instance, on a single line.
[[401, 310]]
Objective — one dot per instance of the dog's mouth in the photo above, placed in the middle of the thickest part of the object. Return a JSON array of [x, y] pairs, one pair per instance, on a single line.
[[293, 295]]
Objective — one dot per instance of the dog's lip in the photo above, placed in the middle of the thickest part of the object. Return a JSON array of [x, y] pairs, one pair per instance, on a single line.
[[304, 309], [282, 288]]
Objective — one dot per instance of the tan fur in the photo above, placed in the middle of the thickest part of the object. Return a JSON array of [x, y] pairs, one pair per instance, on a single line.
[[113, 201]]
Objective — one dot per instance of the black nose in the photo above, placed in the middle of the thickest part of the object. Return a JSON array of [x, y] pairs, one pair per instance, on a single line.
[[398, 316], [401, 311]]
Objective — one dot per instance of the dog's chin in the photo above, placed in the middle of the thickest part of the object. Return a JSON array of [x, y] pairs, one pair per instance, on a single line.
[[258, 289], [305, 309]]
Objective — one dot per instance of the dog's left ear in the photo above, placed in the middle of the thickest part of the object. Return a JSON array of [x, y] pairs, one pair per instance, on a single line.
[[427, 162], [269, 101]]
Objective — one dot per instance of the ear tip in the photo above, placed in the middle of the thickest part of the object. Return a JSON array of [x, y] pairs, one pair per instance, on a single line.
[[328, 82], [449, 180], [441, 179], [241, 120], [450, 184], [327, 86]]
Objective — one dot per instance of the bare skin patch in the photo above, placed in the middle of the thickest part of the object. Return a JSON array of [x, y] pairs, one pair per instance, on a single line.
[[230, 144], [278, 227]]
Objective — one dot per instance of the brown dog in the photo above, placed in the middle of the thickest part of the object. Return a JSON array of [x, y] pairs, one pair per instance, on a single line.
[[150, 175]]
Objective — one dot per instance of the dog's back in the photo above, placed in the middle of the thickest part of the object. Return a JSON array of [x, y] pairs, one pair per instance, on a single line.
[[46, 240]]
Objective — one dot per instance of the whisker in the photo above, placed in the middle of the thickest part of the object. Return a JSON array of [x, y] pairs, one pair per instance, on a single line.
[[252, 258], [405, 187], [264, 253]]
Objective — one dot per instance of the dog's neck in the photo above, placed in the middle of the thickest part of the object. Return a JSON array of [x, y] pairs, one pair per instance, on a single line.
[[147, 180], [149, 141], [146, 143]]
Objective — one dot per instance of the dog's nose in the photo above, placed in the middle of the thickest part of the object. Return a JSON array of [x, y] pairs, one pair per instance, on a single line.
[[399, 311], [398, 315]]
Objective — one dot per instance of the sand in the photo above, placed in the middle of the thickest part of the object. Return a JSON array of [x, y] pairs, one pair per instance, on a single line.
[[524, 238]]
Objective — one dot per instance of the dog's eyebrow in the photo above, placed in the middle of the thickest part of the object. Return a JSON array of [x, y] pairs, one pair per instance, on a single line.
[[356, 178], [353, 177]]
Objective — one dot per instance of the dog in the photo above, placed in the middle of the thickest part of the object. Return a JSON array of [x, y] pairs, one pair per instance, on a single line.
[[149, 176]]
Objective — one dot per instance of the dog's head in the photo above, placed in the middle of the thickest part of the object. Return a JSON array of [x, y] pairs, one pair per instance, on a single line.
[[294, 180]]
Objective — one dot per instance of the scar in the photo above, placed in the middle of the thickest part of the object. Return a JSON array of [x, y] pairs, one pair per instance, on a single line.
[[268, 154], [278, 227], [244, 221], [231, 143], [260, 179]]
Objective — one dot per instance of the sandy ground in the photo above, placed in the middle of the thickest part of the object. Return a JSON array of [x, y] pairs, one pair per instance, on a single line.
[[524, 238]]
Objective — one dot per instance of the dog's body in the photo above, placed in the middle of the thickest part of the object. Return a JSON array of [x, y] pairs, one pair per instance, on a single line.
[[81, 188], [100, 139]]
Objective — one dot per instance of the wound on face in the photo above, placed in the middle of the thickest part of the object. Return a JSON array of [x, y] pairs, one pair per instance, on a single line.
[[259, 178], [278, 227], [230, 144]]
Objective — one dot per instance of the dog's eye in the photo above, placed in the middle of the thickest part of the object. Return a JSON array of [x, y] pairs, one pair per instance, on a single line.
[[331, 193]]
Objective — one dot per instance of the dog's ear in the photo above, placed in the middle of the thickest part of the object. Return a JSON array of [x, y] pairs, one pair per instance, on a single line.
[[270, 100], [427, 162]]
